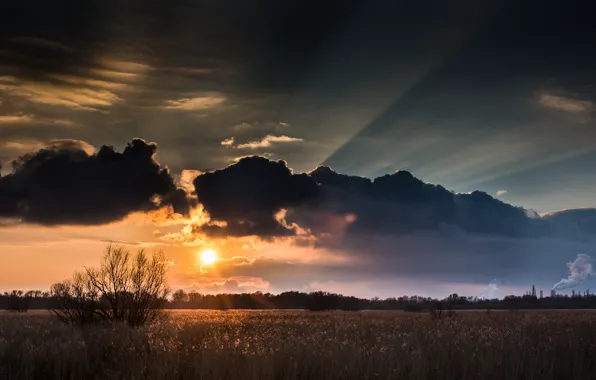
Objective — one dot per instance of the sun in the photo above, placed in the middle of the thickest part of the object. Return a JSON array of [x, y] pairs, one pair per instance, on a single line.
[[208, 256]]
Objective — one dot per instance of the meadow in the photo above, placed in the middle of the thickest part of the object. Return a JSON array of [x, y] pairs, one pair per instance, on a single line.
[[305, 345]]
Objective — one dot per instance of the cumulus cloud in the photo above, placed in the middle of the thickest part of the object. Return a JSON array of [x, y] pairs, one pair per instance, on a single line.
[[258, 196], [269, 140], [566, 104], [401, 203], [248, 194], [236, 159], [67, 182]]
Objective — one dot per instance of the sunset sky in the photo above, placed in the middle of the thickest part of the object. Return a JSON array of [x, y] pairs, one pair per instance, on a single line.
[[371, 148]]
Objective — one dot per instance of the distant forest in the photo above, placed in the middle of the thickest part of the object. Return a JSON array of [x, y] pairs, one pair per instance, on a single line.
[[19, 301]]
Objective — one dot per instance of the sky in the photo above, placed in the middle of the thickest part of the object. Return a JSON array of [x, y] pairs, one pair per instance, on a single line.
[[369, 148]]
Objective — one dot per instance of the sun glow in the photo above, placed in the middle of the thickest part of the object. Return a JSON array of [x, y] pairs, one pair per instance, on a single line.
[[208, 256]]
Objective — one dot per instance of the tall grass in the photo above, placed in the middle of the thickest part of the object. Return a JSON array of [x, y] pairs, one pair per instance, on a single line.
[[301, 345]]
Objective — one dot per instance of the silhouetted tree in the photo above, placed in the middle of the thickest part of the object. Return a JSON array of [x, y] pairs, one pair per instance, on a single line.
[[19, 302], [179, 296], [125, 289]]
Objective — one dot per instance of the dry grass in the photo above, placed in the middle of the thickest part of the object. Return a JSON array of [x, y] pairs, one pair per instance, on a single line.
[[301, 345]]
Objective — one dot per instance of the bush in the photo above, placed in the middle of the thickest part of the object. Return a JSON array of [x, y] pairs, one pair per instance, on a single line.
[[123, 289]]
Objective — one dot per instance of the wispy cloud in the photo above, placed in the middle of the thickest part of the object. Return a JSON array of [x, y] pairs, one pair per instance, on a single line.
[[566, 104], [23, 145], [203, 102], [188, 70], [262, 126], [124, 66], [32, 145], [83, 81], [16, 119], [228, 142], [114, 74], [501, 193], [79, 98], [40, 42], [269, 140], [244, 126], [22, 118]]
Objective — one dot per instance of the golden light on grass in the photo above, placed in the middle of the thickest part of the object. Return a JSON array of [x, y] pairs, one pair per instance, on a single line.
[[208, 256]]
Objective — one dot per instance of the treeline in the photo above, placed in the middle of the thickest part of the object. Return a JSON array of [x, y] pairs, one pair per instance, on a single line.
[[331, 301], [20, 301]]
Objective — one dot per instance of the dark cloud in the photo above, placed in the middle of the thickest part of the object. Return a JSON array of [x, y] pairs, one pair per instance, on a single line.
[[64, 183], [400, 203], [577, 223], [248, 194]]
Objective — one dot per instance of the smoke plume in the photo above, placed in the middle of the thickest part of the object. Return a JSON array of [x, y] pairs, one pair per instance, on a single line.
[[579, 270], [492, 291]]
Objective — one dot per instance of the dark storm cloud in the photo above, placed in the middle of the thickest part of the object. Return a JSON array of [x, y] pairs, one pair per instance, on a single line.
[[400, 202], [65, 183], [247, 195], [577, 223]]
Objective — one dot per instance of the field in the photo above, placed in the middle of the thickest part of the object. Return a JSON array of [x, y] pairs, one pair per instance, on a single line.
[[302, 345]]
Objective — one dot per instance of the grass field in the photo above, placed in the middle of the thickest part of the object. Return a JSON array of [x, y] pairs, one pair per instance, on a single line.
[[301, 345]]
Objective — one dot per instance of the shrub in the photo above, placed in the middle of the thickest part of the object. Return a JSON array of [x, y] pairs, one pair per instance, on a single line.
[[123, 289]]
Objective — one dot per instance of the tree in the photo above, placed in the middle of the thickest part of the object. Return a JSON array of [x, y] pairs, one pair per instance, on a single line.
[[123, 288], [19, 301], [179, 296]]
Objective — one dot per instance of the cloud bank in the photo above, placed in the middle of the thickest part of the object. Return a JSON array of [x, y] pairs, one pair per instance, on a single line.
[[392, 226], [67, 183]]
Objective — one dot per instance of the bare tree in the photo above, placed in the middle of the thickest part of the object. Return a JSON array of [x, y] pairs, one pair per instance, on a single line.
[[123, 288]]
